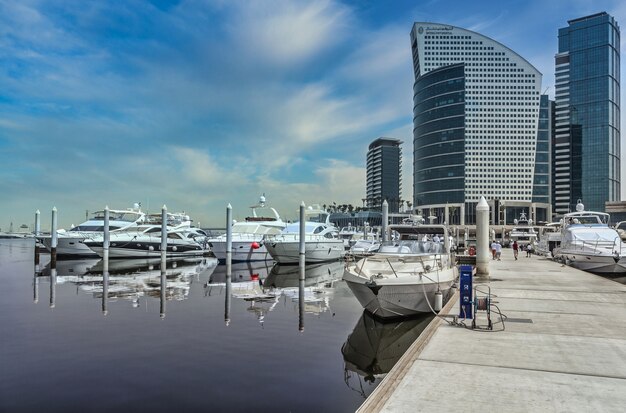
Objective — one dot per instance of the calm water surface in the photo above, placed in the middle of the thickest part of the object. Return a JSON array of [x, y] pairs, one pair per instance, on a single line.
[[191, 346]]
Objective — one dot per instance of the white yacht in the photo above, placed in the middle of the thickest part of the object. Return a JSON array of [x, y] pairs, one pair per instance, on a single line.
[[248, 235], [404, 276], [589, 244], [71, 243], [144, 241], [549, 238], [322, 242], [523, 231]]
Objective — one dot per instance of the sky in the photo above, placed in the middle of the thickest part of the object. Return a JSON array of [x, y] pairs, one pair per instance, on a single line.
[[198, 104]]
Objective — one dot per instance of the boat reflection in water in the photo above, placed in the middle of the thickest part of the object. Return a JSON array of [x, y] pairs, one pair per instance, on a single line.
[[374, 347], [262, 291], [129, 279]]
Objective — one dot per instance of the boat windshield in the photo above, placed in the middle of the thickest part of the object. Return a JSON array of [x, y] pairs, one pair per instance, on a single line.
[[525, 229], [127, 216], [92, 228], [412, 247]]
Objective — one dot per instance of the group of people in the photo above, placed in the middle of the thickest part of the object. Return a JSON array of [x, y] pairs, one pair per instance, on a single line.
[[516, 247], [496, 249]]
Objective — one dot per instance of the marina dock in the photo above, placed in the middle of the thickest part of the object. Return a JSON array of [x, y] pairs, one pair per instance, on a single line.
[[563, 348]]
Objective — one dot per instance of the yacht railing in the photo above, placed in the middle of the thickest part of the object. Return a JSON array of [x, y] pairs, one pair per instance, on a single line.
[[615, 247]]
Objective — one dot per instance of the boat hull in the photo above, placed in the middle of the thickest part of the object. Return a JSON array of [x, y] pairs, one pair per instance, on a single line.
[[288, 252], [150, 250], [398, 299], [69, 246], [599, 264], [242, 250]]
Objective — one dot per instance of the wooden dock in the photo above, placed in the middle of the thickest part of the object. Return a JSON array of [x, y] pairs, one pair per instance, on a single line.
[[563, 348]]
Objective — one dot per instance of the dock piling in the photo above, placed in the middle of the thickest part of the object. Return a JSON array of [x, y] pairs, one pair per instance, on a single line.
[[385, 221], [163, 232], [482, 238], [54, 237]]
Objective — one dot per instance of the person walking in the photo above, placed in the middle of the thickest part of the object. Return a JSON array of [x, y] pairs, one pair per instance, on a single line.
[[498, 250], [515, 249], [493, 250], [529, 250]]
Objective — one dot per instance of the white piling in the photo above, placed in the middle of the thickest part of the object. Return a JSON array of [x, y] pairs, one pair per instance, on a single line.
[[482, 238], [163, 232], [37, 223], [302, 239], [54, 237], [385, 220], [106, 238], [105, 280], [229, 263], [53, 285], [163, 286]]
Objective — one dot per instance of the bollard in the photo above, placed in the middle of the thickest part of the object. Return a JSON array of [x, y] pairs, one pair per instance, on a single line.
[[106, 238], [163, 232], [482, 238], [54, 237], [385, 220]]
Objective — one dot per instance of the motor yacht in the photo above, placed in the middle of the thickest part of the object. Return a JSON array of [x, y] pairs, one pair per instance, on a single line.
[[523, 231], [145, 241], [549, 238], [589, 244], [405, 275], [322, 240], [71, 243], [248, 235]]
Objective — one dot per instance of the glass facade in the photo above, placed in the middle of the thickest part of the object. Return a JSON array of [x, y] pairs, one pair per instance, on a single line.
[[587, 132], [439, 136], [541, 183]]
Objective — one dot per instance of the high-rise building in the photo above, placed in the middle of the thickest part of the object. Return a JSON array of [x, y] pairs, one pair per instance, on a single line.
[[586, 150], [476, 123], [384, 173]]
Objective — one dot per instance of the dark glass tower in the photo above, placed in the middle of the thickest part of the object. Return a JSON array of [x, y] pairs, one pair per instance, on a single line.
[[384, 173], [586, 150], [439, 136]]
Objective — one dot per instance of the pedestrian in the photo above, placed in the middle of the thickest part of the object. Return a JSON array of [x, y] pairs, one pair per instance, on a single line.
[[529, 250], [498, 250], [493, 250], [515, 249]]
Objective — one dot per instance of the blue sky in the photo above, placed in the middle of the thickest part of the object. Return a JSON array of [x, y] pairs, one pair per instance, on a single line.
[[196, 104]]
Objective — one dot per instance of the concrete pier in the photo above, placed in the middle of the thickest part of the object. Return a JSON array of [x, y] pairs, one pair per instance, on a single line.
[[563, 348]]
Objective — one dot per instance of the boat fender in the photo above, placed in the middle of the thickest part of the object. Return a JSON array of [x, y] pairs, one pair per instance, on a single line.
[[150, 248], [174, 248], [255, 245]]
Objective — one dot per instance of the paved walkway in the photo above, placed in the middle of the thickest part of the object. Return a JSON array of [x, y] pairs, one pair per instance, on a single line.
[[562, 350]]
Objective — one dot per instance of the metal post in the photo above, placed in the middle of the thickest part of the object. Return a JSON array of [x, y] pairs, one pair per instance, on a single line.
[[385, 220], [482, 238], [163, 232], [301, 305], [54, 237], [36, 285]]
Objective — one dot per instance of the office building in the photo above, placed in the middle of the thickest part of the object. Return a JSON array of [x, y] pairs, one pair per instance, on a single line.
[[476, 123], [586, 150], [384, 173]]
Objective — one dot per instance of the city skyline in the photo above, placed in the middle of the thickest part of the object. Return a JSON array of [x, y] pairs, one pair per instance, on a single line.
[[197, 105]]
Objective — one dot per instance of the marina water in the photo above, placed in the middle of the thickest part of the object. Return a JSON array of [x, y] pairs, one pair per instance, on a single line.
[[64, 348]]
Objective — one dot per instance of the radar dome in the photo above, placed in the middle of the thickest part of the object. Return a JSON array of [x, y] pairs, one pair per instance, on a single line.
[[579, 206]]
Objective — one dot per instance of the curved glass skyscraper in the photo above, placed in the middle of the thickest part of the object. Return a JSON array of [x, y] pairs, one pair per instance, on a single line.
[[475, 114]]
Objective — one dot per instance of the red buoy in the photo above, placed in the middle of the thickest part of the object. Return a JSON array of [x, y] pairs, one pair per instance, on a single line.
[[255, 245]]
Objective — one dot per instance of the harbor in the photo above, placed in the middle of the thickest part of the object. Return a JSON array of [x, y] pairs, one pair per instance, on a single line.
[[560, 347]]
